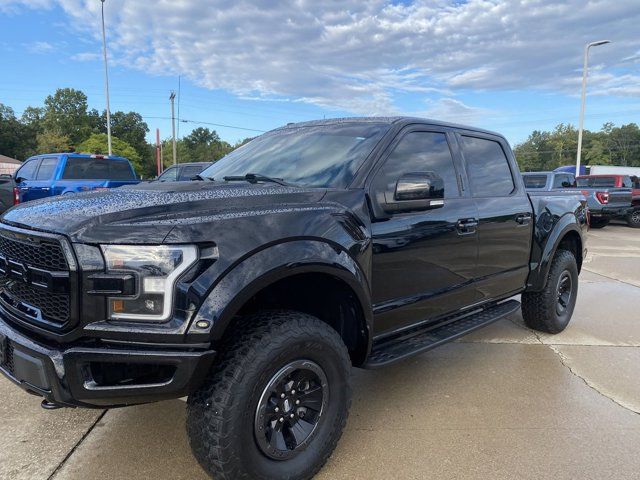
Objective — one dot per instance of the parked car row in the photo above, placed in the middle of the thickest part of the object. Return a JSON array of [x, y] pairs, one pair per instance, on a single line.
[[608, 196], [53, 174]]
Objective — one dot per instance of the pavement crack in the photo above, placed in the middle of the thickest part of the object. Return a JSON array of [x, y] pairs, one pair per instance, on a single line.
[[565, 363], [75, 447]]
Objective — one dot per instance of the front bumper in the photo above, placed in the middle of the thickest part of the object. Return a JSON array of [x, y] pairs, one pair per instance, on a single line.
[[102, 376]]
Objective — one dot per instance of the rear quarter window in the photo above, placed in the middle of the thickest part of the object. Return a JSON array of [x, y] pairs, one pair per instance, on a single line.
[[488, 167]]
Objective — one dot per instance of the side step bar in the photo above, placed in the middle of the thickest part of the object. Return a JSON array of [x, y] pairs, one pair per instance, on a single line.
[[390, 350]]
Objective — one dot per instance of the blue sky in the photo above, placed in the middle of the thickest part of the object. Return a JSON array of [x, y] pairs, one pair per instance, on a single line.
[[510, 66]]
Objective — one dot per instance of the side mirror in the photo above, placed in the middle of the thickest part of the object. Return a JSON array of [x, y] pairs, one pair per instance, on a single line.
[[19, 179], [416, 191]]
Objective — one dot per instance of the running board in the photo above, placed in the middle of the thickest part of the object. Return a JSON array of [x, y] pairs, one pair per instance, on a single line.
[[414, 341]]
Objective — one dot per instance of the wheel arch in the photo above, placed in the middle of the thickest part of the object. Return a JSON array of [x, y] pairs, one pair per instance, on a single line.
[[567, 235], [310, 276]]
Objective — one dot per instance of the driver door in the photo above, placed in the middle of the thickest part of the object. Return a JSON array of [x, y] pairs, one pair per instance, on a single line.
[[424, 261]]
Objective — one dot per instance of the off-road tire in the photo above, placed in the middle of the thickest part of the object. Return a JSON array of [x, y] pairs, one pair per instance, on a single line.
[[598, 222], [633, 219], [540, 309], [221, 414]]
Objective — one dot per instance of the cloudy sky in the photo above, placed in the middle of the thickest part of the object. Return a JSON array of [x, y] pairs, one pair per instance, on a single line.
[[512, 66]]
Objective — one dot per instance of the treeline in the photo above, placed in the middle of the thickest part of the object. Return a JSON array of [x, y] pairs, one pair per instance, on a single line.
[[65, 124], [610, 145]]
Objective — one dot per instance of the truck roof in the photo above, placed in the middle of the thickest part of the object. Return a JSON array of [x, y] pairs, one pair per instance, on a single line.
[[397, 120], [81, 155]]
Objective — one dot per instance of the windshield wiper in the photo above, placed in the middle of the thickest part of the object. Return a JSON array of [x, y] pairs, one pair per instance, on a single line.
[[200, 177], [255, 178]]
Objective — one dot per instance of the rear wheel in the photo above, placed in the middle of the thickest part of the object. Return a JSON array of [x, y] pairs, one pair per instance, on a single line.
[[550, 309], [275, 405], [599, 222], [633, 219]]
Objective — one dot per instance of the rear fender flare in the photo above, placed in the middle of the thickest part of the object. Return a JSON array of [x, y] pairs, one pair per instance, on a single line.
[[549, 241]]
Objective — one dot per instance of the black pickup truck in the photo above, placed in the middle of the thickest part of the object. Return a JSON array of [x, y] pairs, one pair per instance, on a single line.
[[254, 290]]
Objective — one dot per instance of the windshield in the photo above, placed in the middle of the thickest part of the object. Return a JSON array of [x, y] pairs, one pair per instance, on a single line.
[[535, 181], [315, 156], [596, 182]]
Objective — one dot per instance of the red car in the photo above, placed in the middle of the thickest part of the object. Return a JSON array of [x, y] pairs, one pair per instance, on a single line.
[[617, 181]]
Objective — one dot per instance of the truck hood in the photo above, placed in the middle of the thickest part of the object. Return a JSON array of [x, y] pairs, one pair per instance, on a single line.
[[147, 213]]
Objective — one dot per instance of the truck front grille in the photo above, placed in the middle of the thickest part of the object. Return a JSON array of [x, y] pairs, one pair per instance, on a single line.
[[48, 256], [36, 278]]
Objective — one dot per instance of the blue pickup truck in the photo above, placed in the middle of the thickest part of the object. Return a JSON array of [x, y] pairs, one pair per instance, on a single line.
[[53, 174]]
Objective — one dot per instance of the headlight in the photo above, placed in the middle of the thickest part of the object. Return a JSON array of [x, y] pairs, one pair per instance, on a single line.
[[156, 268]]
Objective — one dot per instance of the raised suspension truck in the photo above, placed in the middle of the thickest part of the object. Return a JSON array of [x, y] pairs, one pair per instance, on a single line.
[[254, 290]]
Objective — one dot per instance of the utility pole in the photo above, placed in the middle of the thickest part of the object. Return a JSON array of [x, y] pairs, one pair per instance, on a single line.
[[585, 69], [158, 152], [106, 81], [172, 97]]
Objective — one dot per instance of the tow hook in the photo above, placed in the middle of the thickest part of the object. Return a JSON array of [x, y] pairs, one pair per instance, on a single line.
[[47, 405]]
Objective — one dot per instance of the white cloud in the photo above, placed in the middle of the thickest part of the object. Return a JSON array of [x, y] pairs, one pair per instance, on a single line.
[[85, 57], [40, 47], [361, 56]]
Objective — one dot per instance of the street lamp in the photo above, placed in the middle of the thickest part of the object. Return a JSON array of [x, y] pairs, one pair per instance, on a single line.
[[106, 81], [584, 98]]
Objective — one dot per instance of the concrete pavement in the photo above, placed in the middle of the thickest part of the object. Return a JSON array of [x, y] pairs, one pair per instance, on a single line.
[[504, 402]]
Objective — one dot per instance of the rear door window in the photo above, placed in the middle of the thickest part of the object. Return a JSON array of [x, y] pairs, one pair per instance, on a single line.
[[47, 168], [535, 181], [487, 166], [97, 169], [626, 182]]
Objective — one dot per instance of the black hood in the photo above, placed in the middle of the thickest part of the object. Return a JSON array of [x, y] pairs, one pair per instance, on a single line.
[[146, 213]]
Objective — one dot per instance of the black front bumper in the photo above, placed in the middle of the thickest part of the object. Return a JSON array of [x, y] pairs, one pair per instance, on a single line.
[[100, 377]]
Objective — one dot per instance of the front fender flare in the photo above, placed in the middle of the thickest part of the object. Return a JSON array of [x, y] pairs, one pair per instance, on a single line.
[[271, 264]]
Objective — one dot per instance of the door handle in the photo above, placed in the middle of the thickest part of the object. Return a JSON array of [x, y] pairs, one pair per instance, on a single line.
[[466, 226], [523, 218], [45, 189]]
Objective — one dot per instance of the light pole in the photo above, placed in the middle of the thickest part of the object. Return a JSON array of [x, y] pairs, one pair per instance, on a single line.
[[106, 80], [172, 97], [584, 98]]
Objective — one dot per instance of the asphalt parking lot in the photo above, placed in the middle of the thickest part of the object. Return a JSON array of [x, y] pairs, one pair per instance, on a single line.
[[502, 403]]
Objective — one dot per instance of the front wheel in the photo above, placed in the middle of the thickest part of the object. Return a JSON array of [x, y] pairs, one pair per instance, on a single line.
[[550, 309], [275, 405], [633, 219]]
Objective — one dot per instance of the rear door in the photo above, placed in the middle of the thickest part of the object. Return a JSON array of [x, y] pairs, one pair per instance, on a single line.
[[505, 215], [24, 176]]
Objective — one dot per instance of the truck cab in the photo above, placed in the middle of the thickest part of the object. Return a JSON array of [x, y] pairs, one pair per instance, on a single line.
[[54, 174]]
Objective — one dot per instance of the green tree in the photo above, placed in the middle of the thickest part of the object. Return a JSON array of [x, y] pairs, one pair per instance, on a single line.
[[97, 143], [204, 145], [52, 142], [12, 134], [66, 113]]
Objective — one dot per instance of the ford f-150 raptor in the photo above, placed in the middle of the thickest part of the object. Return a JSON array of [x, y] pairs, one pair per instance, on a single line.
[[253, 291]]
